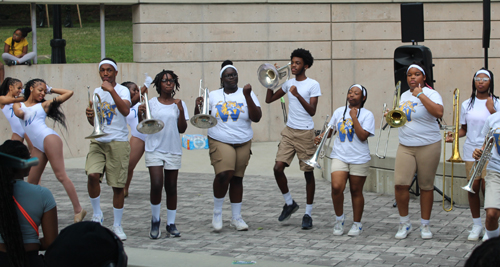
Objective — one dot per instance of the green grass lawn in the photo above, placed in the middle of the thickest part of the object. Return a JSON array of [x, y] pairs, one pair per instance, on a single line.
[[83, 45]]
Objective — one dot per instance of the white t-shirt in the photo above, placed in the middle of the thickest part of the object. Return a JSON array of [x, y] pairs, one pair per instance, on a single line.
[[475, 119], [421, 128], [168, 139], [493, 122], [132, 121], [115, 124], [347, 147], [298, 118], [231, 111]]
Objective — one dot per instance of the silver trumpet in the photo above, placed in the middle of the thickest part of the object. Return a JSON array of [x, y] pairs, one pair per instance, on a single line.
[[320, 152], [96, 105], [204, 120], [477, 168], [149, 125]]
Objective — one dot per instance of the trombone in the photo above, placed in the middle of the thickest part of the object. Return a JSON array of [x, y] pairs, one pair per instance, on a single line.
[[204, 120], [455, 157], [149, 125], [320, 152], [394, 119], [96, 105]]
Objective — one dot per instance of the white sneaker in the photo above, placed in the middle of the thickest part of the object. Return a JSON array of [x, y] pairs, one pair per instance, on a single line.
[[239, 224], [98, 218], [475, 233], [425, 231], [118, 230], [404, 230], [338, 228], [356, 229], [217, 221], [485, 236]]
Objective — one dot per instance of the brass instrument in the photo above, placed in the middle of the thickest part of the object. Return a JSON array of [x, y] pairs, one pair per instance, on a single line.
[[477, 168], [96, 105], [204, 120], [394, 118], [149, 125], [270, 77], [455, 157], [320, 152]]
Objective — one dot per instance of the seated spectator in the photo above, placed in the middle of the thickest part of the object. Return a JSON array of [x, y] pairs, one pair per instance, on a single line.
[[24, 207], [15, 51]]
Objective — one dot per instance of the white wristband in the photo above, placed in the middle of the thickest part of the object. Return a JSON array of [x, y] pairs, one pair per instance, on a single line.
[[49, 89]]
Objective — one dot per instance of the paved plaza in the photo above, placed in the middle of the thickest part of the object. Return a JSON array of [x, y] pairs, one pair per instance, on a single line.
[[269, 242]]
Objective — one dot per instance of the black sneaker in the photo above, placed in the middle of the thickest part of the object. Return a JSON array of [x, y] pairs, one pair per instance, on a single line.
[[172, 230], [288, 211], [10, 62], [155, 231], [27, 63], [307, 222]]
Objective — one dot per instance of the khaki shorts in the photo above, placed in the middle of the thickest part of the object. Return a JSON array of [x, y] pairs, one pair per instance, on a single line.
[[228, 157], [468, 167], [422, 159], [492, 190], [111, 158], [352, 169], [167, 160], [296, 141]]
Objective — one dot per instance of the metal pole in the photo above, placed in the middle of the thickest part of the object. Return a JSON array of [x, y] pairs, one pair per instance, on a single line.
[[103, 34], [33, 27]]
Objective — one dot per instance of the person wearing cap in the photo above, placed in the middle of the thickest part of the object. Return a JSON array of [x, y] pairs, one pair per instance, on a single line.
[[230, 141], [350, 156], [109, 154], [473, 114], [298, 135], [419, 149]]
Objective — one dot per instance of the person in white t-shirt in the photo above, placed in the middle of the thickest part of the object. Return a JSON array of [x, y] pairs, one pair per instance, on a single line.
[[473, 115], [492, 178], [298, 135], [419, 149], [109, 154], [230, 141], [137, 139], [350, 156], [164, 149]]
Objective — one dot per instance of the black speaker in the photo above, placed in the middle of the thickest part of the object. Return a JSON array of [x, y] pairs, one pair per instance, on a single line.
[[405, 56], [412, 22], [486, 23]]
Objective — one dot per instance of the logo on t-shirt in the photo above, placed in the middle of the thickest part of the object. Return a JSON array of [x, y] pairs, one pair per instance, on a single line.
[[30, 119], [11, 112], [229, 109], [108, 112], [345, 129], [497, 144], [408, 108]]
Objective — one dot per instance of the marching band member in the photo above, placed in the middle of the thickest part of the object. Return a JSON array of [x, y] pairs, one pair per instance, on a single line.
[[109, 154], [298, 135], [350, 156], [419, 149], [47, 144], [230, 141], [164, 149], [473, 115]]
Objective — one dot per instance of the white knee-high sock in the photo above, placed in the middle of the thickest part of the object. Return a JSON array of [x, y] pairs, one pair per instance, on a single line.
[[171, 216], [118, 216], [218, 204], [155, 211], [96, 205]]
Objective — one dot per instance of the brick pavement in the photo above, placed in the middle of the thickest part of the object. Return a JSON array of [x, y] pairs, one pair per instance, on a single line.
[[269, 240]]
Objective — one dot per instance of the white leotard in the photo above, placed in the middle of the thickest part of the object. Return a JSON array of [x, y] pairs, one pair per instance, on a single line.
[[132, 122], [34, 125], [15, 125]]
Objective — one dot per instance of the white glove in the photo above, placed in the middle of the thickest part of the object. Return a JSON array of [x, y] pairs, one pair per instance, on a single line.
[[148, 80], [48, 89]]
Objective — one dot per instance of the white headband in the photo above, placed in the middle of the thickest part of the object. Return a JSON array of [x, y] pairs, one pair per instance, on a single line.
[[416, 67], [483, 72], [108, 62], [227, 66], [360, 87]]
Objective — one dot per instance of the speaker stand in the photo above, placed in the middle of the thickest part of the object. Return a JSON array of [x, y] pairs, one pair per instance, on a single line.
[[416, 192]]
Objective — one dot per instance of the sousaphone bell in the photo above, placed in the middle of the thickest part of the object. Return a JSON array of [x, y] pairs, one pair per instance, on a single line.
[[96, 105], [149, 125], [204, 120], [270, 77]]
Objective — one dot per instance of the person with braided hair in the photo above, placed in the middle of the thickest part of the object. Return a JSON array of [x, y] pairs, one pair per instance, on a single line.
[[47, 144], [19, 240], [15, 51]]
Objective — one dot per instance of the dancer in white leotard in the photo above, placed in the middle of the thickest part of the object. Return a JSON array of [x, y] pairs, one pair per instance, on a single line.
[[47, 143], [9, 94], [137, 139]]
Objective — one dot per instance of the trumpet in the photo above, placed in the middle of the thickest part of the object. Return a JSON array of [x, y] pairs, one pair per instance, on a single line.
[[320, 152], [477, 168], [96, 105], [204, 120], [455, 157], [149, 125]]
